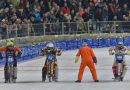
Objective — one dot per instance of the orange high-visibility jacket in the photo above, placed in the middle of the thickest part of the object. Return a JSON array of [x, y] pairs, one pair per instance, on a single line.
[[86, 54], [4, 48]]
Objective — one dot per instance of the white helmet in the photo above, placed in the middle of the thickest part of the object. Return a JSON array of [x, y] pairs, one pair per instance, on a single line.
[[120, 43], [50, 45]]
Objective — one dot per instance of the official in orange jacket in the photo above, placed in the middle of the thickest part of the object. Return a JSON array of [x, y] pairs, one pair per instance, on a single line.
[[88, 58]]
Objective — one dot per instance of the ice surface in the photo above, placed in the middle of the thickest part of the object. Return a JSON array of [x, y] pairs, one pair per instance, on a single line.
[[29, 74]]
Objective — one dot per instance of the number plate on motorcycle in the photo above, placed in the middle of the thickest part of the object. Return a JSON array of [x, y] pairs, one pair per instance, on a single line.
[[119, 57], [50, 57], [10, 59]]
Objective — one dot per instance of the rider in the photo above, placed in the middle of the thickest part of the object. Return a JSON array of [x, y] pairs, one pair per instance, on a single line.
[[11, 50], [55, 51], [118, 48]]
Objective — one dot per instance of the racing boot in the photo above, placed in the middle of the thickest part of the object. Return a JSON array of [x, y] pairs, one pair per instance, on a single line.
[[44, 72]]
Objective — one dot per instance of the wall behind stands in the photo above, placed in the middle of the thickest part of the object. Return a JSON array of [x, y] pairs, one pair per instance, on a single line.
[[31, 51]]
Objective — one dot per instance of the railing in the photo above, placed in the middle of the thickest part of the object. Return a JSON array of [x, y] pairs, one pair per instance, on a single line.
[[22, 30], [31, 51]]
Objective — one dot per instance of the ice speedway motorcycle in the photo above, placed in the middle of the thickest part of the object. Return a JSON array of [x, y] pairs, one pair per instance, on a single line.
[[119, 57], [9, 77], [51, 64], [10, 70], [50, 67]]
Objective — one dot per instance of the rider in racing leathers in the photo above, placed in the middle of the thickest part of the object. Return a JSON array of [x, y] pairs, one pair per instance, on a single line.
[[118, 48], [10, 50], [55, 51]]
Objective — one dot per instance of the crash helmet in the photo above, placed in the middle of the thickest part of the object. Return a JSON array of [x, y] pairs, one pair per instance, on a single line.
[[50, 45], [10, 44], [120, 45]]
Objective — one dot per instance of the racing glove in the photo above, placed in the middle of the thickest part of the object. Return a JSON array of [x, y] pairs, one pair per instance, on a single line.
[[76, 59]]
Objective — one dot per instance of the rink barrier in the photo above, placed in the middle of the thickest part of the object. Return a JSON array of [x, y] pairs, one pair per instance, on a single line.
[[31, 51]]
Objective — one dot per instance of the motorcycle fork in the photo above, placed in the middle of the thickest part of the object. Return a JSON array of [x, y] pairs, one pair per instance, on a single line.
[[8, 72], [48, 67], [11, 73], [52, 67], [120, 67]]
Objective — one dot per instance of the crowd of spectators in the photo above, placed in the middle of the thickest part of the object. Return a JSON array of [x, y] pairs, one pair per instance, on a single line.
[[28, 12], [38, 11]]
